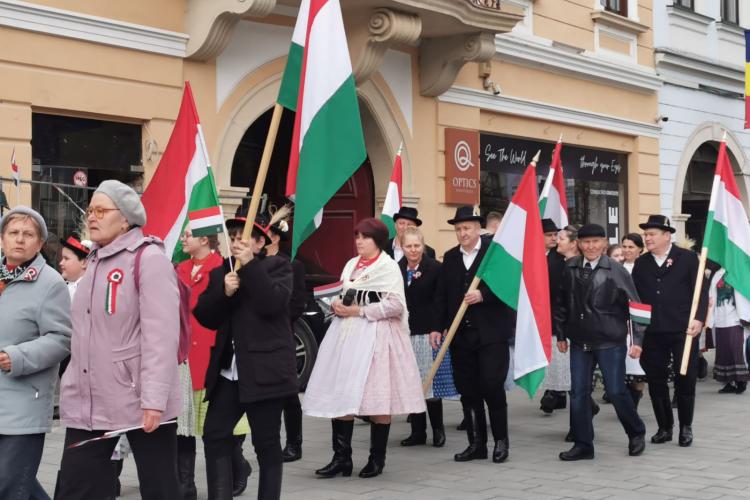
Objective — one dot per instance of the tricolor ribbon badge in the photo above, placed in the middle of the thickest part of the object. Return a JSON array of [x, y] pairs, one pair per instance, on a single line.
[[30, 274], [114, 279]]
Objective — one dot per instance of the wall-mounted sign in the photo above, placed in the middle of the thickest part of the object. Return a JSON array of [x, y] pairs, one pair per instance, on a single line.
[[461, 166], [80, 178]]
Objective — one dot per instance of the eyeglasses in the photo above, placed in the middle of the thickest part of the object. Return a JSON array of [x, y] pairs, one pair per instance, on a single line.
[[98, 211]]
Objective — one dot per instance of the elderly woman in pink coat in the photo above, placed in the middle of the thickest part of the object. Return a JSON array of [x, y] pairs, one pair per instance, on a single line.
[[123, 367]]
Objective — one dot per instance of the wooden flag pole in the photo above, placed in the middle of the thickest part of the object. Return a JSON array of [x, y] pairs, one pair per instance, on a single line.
[[694, 310], [449, 338], [260, 180]]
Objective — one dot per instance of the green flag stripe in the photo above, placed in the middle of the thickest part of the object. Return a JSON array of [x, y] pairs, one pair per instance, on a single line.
[[202, 196], [289, 91], [531, 381], [502, 273], [388, 221], [731, 257]]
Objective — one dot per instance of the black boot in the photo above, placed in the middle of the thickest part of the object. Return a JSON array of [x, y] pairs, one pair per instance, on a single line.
[[418, 430], [685, 408], [741, 387], [664, 419], [186, 467], [269, 482], [462, 425], [636, 395], [341, 462], [476, 431], [499, 426], [117, 466], [240, 467], [378, 443], [293, 425], [435, 411], [548, 403], [219, 477]]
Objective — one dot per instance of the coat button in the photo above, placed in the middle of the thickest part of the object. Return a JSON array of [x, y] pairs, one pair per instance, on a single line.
[[581, 316], [88, 311], [658, 292], [85, 370]]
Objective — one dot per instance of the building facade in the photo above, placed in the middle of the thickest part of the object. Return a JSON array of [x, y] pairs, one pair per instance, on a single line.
[[700, 54], [471, 88]]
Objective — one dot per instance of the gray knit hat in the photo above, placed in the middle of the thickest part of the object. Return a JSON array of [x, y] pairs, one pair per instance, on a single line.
[[126, 200], [22, 210]]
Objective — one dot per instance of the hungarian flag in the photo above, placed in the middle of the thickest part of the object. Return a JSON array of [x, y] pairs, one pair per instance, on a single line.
[[206, 221], [727, 235], [327, 143], [393, 197], [639, 313], [747, 78], [14, 168], [515, 269], [182, 184], [290, 80], [553, 203]]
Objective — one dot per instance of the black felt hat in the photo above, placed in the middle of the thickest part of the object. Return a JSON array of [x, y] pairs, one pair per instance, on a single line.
[[591, 231], [466, 214], [408, 213], [548, 226], [658, 222]]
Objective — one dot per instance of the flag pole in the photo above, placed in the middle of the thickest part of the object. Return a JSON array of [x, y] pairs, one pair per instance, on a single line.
[[457, 321], [260, 180], [698, 285]]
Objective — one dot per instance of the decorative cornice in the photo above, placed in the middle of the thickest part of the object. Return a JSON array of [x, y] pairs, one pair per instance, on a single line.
[[440, 59], [210, 23], [545, 111], [387, 28], [479, 18], [529, 52], [70, 24], [698, 70], [617, 21], [688, 18]]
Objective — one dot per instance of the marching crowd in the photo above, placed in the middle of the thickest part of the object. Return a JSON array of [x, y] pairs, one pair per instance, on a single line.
[[206, 349]]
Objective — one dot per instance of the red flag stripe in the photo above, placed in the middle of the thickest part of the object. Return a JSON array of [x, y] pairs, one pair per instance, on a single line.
[[640, 307], [558, 179], [725, 172], [205, 212]]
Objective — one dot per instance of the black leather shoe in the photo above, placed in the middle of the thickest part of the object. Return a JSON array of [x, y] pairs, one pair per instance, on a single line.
[[548, 402], [341, 438], [576, 453], [741, 387], [241, 468], [378, 444], [472, 452], [462, 425], [686, 436], [569, 438], [435, 412], [438, 437], [500, 453], [292, 452], [728, 389], [662, 436], [476, 431], [418, 430], [413, 440], [636, 445]]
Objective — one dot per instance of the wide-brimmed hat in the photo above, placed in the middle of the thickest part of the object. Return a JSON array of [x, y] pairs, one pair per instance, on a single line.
[[408, 213], [239, 219], [466, 214], [658, 222], [78, 247], [549, 226]]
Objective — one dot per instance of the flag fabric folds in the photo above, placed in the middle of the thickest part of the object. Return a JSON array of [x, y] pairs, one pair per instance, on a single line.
[[727, 235], [183, 183], [290, 80], [393, 197], [553, 203], [328, 145], [515, 269]]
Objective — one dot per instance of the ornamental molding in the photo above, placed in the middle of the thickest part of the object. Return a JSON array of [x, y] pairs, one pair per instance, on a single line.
[[210, 23], [69, 24], [479, 17], [545, 111], [617, 21], [387, 28], [539, 53], [693, 71], [440, 59]]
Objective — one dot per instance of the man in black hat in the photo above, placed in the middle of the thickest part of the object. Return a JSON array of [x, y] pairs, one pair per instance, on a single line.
[[592, 313], [405, 217], [479, 350], [665, 278]]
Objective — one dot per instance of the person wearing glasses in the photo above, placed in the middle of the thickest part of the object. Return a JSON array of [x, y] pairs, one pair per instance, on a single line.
[[123, 366]]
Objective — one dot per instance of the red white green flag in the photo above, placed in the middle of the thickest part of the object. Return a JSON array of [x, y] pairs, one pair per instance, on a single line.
[[290, 80], [639, 313], [14, 169], [727, 235], [393, 196], [515, 269], [327, 143], [553, 203], [183, 183]]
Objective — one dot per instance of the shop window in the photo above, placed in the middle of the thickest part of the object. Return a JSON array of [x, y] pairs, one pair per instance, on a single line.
[[617, 6], [730, 11], [595, 179], [71, 156], [685, 4]]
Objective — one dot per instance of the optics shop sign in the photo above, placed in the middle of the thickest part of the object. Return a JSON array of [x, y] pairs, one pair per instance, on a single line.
[[461, 166]]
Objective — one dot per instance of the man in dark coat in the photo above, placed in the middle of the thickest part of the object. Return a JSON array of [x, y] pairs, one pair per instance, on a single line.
[[479, 350], [665, 278], [591, 312], [252, 365], [405, 217]]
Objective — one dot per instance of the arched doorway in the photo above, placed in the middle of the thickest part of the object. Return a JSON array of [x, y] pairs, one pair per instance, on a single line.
[[327, 250]]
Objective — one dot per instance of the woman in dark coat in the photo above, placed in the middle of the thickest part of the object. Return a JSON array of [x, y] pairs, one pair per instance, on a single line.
[[252, 365]]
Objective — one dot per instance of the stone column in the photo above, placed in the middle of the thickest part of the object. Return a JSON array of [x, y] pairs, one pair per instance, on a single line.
[[678, 221]]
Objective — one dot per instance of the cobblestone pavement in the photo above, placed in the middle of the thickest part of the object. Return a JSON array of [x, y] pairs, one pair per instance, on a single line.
[[716, 466]]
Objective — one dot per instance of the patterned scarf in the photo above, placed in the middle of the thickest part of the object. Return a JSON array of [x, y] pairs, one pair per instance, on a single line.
[[9, 274]]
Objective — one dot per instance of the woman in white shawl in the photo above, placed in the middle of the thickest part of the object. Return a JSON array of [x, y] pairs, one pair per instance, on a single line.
[[366, 365]]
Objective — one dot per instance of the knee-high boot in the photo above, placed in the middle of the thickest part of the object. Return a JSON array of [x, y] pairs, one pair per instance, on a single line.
[[269, 481], [241, 468], [341, 462], [476, 431], [219, 476], [293, 425], [186, 466], [685, 408], [435, 411], [378, 444], [418, 434]]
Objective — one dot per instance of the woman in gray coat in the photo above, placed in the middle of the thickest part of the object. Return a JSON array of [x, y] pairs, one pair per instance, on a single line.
[[34, 338]]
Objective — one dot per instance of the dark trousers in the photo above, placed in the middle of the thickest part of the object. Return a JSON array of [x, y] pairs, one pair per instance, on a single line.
[[479, 374], [19, 462], [611, 362], [225, 410], [293, 419], [86, 473], [658, 347]]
